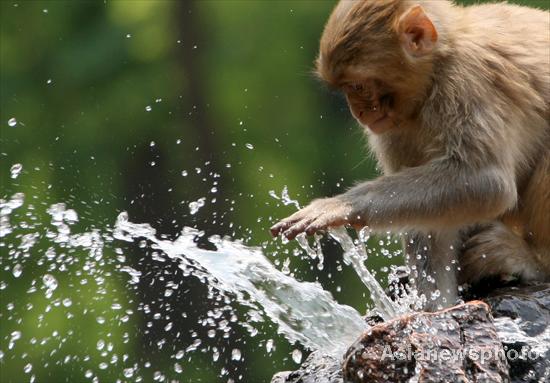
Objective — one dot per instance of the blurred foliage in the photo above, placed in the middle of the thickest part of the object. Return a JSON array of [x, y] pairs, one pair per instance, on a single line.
[[115, 102]]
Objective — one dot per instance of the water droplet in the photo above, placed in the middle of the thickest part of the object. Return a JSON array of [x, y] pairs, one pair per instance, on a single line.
[[148, 108], [236, 354], [17, 270], [184, 173], [249, 146], [12, 122], [196, 205], [15, 335], [70, 216], [178, 368], [27, 368], [286, 266], [49, 81], [49, 282], [297, 356], [128, 35], [269, 345]]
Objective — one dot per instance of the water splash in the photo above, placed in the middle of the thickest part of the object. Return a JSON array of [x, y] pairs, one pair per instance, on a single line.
[[239, 276], [285, 198], [356, 256], [303, 311]]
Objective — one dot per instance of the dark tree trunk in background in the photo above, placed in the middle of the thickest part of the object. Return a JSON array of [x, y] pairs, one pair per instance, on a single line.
[[201, 122], [148, 187]]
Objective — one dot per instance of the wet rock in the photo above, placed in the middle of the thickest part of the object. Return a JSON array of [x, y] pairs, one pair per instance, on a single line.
[[522, 320], [459, 344], [515, 346], [317, 368]]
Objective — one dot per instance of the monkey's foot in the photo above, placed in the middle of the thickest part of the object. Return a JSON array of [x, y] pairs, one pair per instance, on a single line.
[[497, 252]]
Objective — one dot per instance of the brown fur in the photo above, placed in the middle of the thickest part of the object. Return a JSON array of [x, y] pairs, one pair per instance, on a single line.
[[464, 137]]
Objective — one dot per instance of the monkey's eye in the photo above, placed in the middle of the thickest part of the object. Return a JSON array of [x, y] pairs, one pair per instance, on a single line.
[[356, 87]]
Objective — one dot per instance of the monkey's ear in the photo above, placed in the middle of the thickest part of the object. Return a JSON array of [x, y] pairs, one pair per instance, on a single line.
[[416, 32]]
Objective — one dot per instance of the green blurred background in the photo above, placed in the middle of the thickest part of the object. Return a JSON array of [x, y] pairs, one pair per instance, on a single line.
[[145, 106]]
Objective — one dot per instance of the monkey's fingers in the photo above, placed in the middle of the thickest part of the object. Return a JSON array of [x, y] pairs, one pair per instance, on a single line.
[[278, 228], [298, 227], [283, 225], [323, 222], [286, 223]]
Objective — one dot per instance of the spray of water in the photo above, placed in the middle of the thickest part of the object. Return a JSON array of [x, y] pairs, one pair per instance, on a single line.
[[303, 311], [235, 274]]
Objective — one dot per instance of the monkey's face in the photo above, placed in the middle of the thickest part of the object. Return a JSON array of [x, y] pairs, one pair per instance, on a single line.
[[371, 102], [379, 54]]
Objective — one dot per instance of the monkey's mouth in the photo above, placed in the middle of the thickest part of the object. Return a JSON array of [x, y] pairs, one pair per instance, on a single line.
[[380, 120], [377, 118], [378, 124]]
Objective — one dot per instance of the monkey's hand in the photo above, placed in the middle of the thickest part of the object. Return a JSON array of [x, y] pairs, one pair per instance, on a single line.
[[320, 215]]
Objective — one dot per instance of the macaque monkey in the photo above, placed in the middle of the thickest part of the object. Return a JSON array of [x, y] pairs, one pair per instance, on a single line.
[[455, 102]]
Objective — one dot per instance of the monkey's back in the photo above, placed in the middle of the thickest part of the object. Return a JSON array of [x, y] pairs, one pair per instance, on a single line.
[[518, 34], [521, 36]]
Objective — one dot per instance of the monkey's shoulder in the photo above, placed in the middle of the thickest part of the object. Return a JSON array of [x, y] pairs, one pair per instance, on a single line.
[[515, 32]]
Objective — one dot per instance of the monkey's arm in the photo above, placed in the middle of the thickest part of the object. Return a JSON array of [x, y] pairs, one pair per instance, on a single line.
[[440, 193]]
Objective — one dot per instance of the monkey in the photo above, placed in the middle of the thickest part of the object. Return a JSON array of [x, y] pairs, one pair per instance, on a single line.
[[454, 102]]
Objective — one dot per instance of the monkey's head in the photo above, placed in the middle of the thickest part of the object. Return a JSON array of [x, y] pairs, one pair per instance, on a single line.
[[379, 53]]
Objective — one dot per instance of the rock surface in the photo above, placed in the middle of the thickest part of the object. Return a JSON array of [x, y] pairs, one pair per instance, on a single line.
[[317, 368], [459, 344], [522, 320], [521, 331]]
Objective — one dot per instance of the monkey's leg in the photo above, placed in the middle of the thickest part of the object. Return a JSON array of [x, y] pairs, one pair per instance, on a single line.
[[495, 250], [536, 212], [432, 258]]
